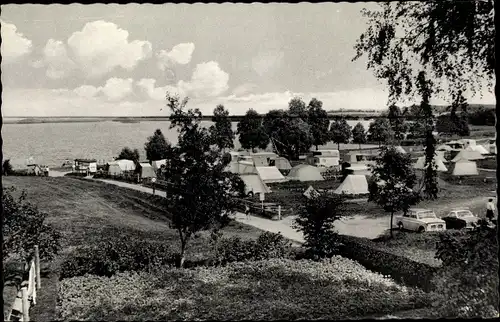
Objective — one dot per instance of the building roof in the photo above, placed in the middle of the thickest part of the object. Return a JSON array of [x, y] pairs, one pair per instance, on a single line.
[[86, 160]]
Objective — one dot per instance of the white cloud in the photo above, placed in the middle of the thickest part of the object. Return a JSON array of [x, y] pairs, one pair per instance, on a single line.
[[208, 80], [180, 54], [267, 62], [102, 46], [156, 93], [55, 57], [86, 91], [244, 89], [14, 44], [117, 88]]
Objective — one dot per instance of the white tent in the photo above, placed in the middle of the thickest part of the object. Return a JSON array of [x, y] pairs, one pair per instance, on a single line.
[[468, 155], [254, 184], [147, 171], [353, 185], [440, 155], [270, 174], [360, 169], [118, 167], [420, 164], [157, 164], [282, 163], [465, 168], [400, 149], [481, 149], [310, 193], [305, 172], [444, 147]]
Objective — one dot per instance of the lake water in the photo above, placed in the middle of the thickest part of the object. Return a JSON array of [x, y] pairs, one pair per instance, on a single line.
[[52, 143]]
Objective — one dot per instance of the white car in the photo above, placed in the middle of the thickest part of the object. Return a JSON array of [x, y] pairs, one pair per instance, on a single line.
[[420, 220]]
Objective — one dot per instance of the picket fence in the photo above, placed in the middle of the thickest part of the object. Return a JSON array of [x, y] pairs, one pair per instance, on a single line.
[[26, 296]]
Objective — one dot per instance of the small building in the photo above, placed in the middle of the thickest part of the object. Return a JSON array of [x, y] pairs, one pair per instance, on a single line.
[[85, 166], [305, 172]]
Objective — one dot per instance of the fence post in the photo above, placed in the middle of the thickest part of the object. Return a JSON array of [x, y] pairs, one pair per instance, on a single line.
[[25, 305], [37, 268], [279, 212]]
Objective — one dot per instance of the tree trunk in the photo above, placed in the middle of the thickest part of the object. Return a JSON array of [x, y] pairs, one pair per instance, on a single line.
[[181, 257], [392, 218], [338, 146], [316, 147]]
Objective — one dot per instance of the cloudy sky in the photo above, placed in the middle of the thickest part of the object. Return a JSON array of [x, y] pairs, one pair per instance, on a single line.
[[120, 60]]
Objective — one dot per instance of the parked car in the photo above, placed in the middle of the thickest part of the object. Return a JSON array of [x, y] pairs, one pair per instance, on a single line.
[[461, 218], [420, 220]]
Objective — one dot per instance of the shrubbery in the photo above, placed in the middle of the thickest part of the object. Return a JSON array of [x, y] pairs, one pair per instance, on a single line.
[[263, 290]]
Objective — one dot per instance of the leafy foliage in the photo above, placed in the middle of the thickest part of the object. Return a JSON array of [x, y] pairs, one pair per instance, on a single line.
[[452, 40], [7, 168], [319, 122], [199, 193], [380, 130], [336, 288], [129, 154], [482, 116], [297, 108], [24, 227], [448, 125], [251, 132], [221, 130], [397, 121], [157, 147], [291, 135], [468, 282], [316, 221], [340, 131], [359, 134], [392, 182]]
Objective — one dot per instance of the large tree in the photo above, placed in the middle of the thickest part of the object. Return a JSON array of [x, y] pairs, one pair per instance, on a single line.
[[340, 131], [359, 134], [128, 154], [397, 121], [251, 132], [380, 131], [157, 147], [452, 41], [290, 135], [221, 129], [318, 120], [393, 181], [199, 192], [297, 108]]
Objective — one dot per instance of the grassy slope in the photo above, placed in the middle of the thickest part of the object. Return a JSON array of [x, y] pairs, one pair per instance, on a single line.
[[85, 211]]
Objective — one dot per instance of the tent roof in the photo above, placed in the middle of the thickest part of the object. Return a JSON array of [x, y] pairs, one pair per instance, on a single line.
[[465, 168], [481, 149], [305, 172], [254, 183], [420, 164], [353, 185], [444, 147], [468, 155], [270, 174], [283, 163], [148, 172]]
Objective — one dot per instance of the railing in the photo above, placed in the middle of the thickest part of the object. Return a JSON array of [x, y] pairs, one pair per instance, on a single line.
[[26, 295]]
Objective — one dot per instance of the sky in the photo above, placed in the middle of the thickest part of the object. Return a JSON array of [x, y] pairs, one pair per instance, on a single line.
[[120, 60]]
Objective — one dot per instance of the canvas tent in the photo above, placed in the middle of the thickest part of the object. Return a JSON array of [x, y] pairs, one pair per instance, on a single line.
[[254, 184], [147, 171], [465, 168], [360, 169], [282, 163], [353, 185], [420, 164], [157, 164], [468, 155], [118, 167], [242, 167], [270, 174], [305, 172], [481, 149]]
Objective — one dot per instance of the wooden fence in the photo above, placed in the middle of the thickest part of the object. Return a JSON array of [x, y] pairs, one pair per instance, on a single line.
[[26, 295]]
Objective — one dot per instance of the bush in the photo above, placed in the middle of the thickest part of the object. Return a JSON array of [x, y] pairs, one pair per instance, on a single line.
[[268, 245], [263, 290], [400, 268], [112, 256]]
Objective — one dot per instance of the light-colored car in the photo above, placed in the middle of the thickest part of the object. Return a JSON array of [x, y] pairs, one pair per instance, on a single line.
[[461, 218], [420, 220]]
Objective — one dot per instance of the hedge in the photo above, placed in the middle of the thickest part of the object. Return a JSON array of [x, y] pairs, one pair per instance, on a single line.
[[402, 269]]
